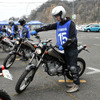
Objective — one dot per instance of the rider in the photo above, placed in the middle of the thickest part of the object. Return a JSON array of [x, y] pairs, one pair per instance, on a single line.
[[25, 29], [1, 31], [24, 34], [14, 30], [66, 40]]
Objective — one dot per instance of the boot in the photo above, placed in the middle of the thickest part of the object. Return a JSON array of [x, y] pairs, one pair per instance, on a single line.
[[74, 88], [69, 85], [24, 59]]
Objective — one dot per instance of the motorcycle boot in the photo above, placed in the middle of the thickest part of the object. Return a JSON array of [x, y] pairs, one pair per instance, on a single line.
[[24, 58], [73, 89], [69, 85], [76, 81]]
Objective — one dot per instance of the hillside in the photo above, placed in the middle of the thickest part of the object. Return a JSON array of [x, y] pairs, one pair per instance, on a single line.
[[87, 11]]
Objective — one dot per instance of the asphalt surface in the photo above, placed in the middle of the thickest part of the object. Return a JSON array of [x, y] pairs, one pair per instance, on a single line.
[[45, 87]]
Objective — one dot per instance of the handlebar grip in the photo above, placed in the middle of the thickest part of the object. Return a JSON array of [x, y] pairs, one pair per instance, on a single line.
[[30, 39], [56, 46]]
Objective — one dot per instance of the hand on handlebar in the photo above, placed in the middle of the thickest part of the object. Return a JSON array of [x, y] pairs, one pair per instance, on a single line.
[[61, 48], [33, 32]]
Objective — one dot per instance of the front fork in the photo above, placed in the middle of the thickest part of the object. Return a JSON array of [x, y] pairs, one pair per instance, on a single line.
[[32, 66], [16, 51]]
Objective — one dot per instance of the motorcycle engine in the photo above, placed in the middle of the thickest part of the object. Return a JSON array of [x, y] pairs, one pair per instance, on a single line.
[[28, 53], [54, 68]]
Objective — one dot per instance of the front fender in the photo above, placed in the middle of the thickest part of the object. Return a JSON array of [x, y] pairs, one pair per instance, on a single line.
[[29, 67], [12, 52]]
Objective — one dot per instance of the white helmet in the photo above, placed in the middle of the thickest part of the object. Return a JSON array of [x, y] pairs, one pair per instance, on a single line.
[[59, 10]]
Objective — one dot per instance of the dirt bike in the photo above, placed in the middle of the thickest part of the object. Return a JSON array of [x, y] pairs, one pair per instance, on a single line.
[[6, 44], [23, 46], [3, 72], [53, 62]]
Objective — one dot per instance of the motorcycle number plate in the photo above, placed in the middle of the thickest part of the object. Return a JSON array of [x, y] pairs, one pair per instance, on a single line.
[[7, 74]]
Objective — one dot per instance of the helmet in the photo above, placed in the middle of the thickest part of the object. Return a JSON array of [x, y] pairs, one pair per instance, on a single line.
[[11, 22], [60, 11], [22, 21]]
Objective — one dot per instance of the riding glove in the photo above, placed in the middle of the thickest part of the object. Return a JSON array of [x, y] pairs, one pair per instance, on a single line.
[[33, 32], [61, 48]]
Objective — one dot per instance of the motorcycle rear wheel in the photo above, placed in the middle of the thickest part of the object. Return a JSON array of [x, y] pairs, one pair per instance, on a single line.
[[81, 68], [4, 95], [9, 60], [24, 80]]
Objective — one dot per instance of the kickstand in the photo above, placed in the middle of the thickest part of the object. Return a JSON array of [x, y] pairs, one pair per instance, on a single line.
[[65, 80]]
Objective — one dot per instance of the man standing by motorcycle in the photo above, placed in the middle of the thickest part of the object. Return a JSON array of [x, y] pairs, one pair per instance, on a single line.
[[14, 29], [66, 40], [25, 29], [25, 33]]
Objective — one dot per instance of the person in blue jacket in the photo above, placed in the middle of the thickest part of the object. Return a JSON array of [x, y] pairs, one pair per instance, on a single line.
[[66, 36], [14, 29], [25, 29], [7, 32], [25, 33], [1, 31]]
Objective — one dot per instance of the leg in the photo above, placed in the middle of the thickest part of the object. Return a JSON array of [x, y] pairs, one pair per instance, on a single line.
[[24, 58], [74, 71]]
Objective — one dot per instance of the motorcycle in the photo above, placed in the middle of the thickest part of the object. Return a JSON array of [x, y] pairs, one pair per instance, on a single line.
[[53, 62], [7, 40], [21, 45], [7, 44], [3, 72]]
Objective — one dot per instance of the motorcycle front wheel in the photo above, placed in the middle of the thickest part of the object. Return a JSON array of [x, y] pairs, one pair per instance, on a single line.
[[24, 80], [9, 60], [81, 66], [4, 95]]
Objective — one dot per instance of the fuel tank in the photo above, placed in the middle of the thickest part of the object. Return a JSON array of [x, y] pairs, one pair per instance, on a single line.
[[57, 54], [28, 44]]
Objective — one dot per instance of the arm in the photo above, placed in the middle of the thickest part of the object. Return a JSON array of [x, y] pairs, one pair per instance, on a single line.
[[48, 27]]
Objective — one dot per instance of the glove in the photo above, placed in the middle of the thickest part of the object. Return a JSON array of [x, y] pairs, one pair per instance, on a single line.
[[33, 32], [61, 48]]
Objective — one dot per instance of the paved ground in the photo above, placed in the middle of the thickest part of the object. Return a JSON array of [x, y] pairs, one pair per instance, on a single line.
[[45, 87]]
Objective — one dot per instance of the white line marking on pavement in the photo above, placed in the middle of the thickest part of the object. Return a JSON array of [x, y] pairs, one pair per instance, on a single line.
[[97, 37], [94, 71], [96, 44]]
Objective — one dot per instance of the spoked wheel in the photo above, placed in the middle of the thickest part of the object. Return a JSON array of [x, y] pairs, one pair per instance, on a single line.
[[9, 60], [81, 68], [24, 80], [4, 95]]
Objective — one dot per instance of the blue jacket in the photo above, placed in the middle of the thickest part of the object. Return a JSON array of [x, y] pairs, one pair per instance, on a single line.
[[25, 29], [0, 30], [12, 30]]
